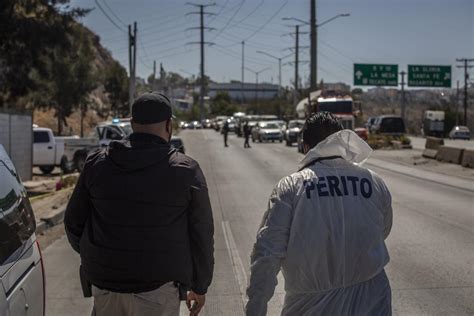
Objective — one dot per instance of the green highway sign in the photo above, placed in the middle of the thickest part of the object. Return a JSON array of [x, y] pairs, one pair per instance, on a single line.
[[429, 76], [375, 75]]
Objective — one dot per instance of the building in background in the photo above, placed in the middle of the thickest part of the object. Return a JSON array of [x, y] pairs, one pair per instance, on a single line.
[[248, 91]]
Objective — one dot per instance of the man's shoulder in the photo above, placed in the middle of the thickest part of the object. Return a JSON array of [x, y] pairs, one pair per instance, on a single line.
[[180, 160], [95, 156]]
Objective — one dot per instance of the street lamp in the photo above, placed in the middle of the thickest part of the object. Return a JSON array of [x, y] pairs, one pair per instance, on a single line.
[[256, 81], [314, 43], [279, 66]]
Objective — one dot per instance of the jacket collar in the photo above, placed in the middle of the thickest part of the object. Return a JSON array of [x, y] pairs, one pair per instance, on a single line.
[[345, 144], [146, 138]]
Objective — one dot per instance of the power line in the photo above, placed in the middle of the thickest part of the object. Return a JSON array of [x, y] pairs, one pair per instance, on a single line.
[[252, 11], [220, 11], [230, 20], [268, 21], [113, 13], [108, 17], [235, 55], [262, 26]]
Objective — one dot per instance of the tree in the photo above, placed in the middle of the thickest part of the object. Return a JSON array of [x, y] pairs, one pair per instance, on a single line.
[[30, 33], [221, 104], [116, 86], [84, 75]]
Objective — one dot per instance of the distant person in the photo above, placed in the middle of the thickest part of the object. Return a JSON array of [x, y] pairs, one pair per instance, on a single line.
[[141, 220], [325, 228], [225, 131], [247, 131]]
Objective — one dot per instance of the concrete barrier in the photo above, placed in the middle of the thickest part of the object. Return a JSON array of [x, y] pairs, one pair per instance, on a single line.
[[450, 154], [468, 158], [433, 143], [430, 153]]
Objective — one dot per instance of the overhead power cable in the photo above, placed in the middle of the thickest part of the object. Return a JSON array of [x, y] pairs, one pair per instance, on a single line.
[[230, 20], [108, 17], [264, 24], [215, 16], [113, 13], [252, 12]]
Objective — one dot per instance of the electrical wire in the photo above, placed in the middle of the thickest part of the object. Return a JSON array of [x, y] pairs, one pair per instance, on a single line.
[[113, 13], [253, 11], [268, 21], [108, 17], [230, 20], [215, 16]]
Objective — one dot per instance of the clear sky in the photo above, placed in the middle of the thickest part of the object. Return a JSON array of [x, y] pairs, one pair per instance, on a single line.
[[377, 31]]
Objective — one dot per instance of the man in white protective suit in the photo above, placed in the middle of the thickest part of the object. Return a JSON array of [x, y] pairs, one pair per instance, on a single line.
[[325, 228]]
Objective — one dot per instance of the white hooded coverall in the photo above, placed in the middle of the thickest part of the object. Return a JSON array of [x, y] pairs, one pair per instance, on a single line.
[[325, 229]]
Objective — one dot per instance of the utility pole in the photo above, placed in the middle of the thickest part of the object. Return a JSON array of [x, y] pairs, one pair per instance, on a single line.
[[202, 27], [153, 84], [132, 60], [314, 48], [279, 67], [256, 84], [457, 102], [466, 64], [243, 71], [297, 45], [403, 73]]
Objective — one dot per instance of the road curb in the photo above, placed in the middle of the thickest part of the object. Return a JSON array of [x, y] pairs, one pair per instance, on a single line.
[[48, 222]]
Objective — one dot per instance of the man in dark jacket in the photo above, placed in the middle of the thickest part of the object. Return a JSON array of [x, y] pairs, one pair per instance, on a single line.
[[225, 131], [247, 131], [141, 219]]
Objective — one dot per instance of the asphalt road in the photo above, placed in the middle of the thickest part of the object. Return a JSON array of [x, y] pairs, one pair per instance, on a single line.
[[431, 244], [419, 143]]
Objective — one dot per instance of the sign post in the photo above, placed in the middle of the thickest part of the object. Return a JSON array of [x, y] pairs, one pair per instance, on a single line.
[[375, 75], [430, 76]]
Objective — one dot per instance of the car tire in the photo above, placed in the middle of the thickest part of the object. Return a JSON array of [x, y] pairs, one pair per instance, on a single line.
[[288, 143], [46, 169], [281, 140], [80, 161], [65, 166]]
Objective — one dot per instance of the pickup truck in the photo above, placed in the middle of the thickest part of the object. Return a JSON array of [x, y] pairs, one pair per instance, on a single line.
[[68, 153]]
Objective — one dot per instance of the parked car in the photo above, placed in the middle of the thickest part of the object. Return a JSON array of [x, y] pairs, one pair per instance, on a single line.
[[219, 121], [177, 143], [362, 132], [291, 132], [460, 132], [266, 131], [370, 122], [68, 153], [21, 265], [196, 125], [389, 125]]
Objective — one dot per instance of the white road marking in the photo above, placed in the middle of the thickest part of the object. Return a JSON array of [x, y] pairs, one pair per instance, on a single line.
[[237, 265]]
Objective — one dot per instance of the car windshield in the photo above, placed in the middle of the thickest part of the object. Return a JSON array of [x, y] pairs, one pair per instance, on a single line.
[[270, 126], [336, 106], [295, 124], [392, 125]]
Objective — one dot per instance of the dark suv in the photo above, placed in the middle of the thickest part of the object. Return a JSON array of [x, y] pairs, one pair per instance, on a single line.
[[22, 289], [389, 125]]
